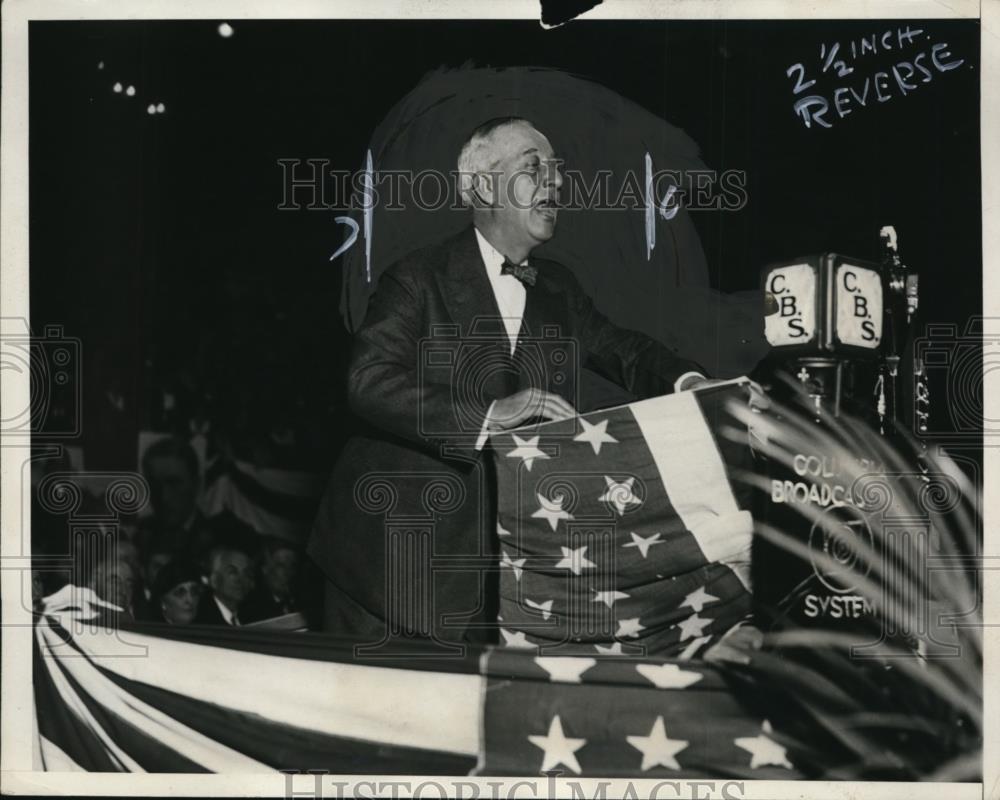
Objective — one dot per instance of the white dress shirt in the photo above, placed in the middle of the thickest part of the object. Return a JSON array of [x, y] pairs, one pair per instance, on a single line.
[[508, 291], [227, 615]]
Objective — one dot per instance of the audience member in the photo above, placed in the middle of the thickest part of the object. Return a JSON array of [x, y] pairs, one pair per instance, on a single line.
[[156, 559], [113, 580], [276, 591], [177, 526], [177, 593], [231, 579], [129, 553]]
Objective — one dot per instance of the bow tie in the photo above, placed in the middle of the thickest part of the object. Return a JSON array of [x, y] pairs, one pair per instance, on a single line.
[[527, 275]]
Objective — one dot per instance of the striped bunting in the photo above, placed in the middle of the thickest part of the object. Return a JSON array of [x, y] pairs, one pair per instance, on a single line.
[[279, 502], [160, 698], [124, 700]]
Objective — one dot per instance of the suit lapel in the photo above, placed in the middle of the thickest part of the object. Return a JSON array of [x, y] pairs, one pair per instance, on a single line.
[[531, 319], [466, 290], [468, 297], [544, 310], [543, 339]]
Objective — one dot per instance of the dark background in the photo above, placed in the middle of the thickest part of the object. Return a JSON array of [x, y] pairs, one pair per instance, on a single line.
[[156, 239]]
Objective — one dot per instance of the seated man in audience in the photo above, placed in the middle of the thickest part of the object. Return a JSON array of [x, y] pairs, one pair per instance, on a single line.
[[276, 590], [129, 553], [113, 580], [156, 559], [231, 578], [177, 525]]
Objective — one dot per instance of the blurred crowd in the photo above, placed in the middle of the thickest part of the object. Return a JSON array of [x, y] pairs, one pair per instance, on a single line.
[[173, 564]]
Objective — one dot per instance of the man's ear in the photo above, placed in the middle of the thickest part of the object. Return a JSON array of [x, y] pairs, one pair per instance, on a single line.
[[483, 188]]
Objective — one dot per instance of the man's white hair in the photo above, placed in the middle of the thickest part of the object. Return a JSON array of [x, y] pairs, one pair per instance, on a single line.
[[478, 155]]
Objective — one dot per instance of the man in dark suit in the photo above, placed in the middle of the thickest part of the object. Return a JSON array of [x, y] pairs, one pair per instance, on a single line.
[[462, 338], [177, 526], [231, 578], [277, 584]]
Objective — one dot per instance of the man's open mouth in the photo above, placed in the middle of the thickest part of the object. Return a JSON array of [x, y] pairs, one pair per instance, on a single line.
[[547, 208]]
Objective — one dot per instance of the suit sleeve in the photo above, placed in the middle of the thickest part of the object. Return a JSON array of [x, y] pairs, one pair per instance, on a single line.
[[633, 360], [386, 386]]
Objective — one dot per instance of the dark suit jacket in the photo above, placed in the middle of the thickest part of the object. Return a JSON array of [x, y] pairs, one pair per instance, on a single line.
[[208, 612], [430, 357], [261, 604]]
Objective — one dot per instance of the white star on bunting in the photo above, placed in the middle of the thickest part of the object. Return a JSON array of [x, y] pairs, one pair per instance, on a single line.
[[558, 749], [644, 542], [619, 494], [612, 650], [551, 510], [693, 626], [763, 750], [657, 749], [545, 608], [514, 564], [574, 560], [668, 676], [526, 450], [698, 599], [565, 669], [516, 639], [629, 627], [608, 598], [502, 531], [595, 435]]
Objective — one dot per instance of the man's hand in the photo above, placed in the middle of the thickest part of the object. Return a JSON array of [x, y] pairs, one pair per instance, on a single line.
[[516, 409], [737, 645]]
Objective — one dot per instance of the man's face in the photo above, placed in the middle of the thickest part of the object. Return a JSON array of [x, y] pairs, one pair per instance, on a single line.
[[114, 582], [279, 571], [529, 179], [232, 578], [129, 553], [173, 490]]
